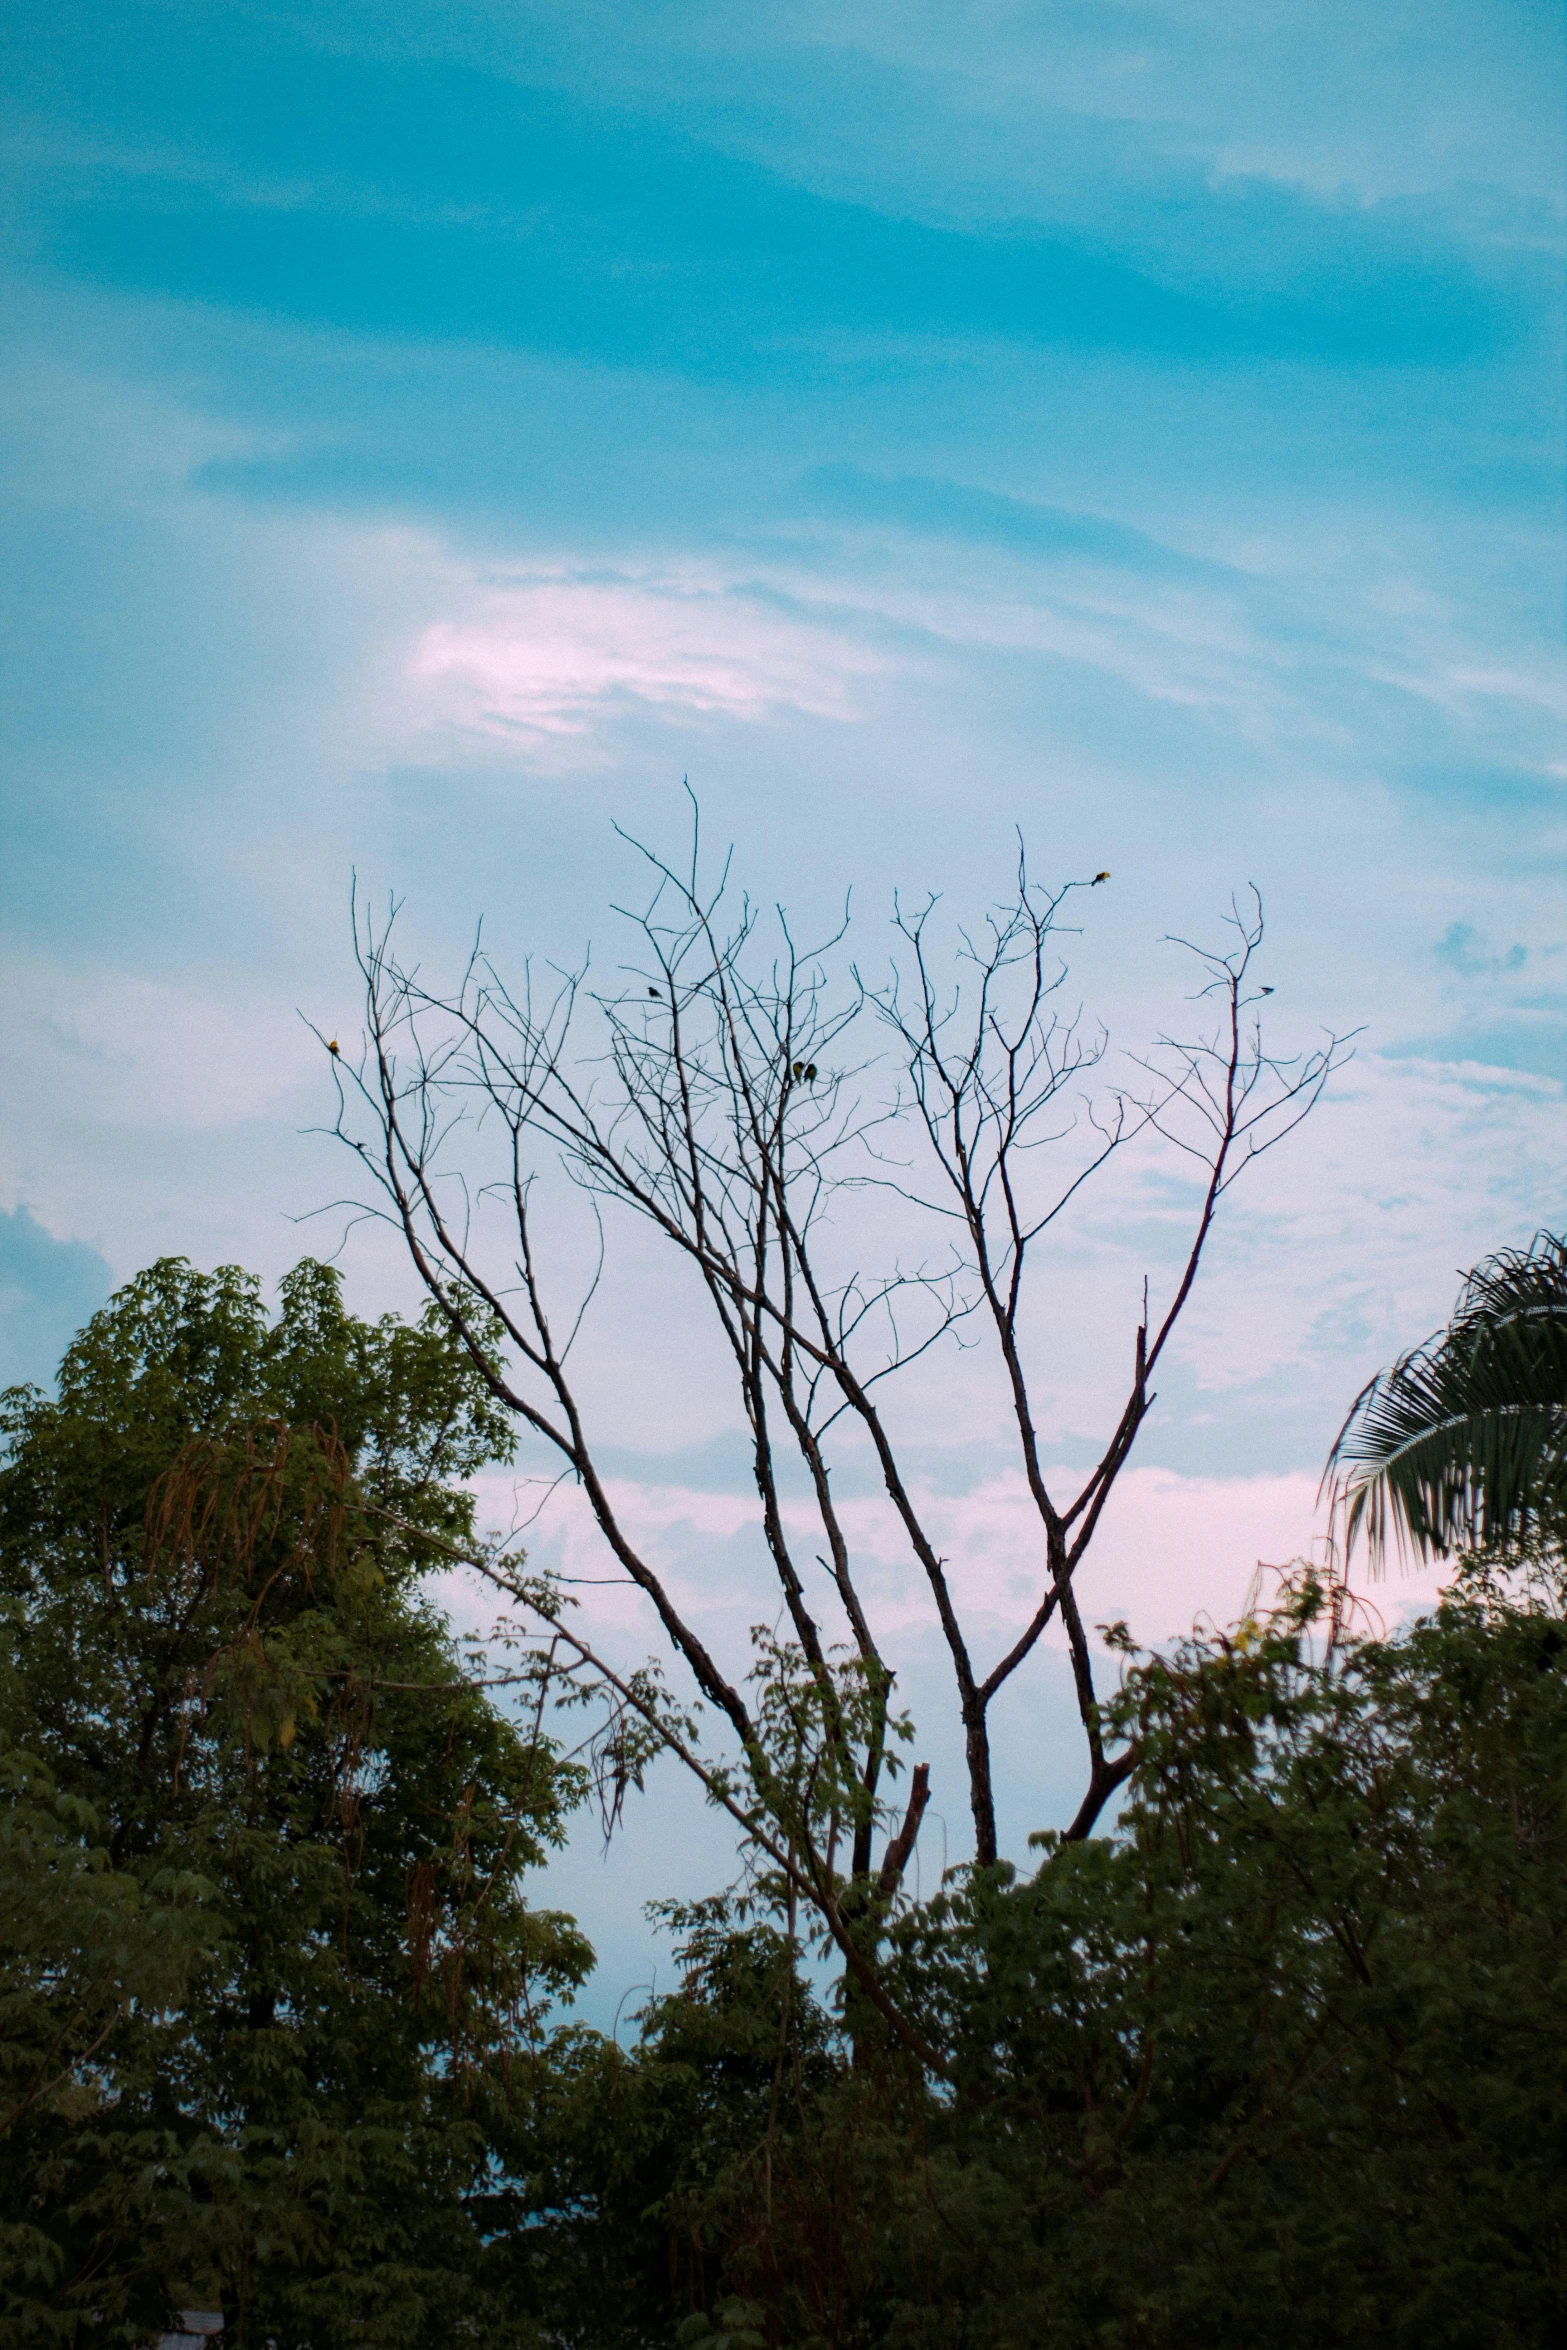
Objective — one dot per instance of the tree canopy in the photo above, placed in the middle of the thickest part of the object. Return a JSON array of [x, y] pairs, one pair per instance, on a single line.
[[276, 1962], [1276, 2056], [1280, 2060]]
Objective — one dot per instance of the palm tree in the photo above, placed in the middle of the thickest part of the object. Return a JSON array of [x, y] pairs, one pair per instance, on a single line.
[[1464, 1440]]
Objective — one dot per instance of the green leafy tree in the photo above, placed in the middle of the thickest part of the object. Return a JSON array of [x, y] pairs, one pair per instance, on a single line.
[[1280, 2060], [91, 1958], [634, 2167], [1283, 2060], [1464, 1440], [222, 1664]]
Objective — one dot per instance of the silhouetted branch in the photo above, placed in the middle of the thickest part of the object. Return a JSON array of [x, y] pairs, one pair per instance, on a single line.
[[739, 1100]]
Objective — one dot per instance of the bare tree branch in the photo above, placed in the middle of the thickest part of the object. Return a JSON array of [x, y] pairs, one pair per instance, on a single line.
[[755, 1106]]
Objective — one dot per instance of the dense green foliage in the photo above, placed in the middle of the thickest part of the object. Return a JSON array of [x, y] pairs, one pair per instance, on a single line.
[[1283, 2060], [1280, 2059], [271, 1837], [90, 1956]]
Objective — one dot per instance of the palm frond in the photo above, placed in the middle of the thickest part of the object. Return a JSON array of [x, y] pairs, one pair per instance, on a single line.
[[1464, 1439]]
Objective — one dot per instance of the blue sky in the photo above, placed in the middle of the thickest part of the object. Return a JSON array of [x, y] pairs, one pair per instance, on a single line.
[[433, 433]]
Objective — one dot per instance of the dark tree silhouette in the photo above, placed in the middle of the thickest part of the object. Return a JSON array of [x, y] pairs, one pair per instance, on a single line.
[[738, 1096]]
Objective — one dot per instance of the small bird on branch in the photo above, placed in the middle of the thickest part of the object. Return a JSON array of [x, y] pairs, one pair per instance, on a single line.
[[1098, 877]]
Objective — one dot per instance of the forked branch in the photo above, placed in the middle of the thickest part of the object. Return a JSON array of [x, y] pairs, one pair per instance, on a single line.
[[758, 1109]]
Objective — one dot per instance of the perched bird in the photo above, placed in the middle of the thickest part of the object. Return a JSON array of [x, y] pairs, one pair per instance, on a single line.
[[654, 991], [334, 1046], [1267, 991], [810, 1072], [1098, 877]]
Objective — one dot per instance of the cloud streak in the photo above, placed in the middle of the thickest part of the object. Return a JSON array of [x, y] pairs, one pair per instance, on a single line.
[[543, 655], [441, 200]]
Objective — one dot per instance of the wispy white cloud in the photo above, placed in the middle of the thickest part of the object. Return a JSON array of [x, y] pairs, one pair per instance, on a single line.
[[1422, 96], [544, 654], [1276, 651]]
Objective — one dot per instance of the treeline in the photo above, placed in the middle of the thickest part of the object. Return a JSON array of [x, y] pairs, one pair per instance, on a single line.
[[1281, 2057]]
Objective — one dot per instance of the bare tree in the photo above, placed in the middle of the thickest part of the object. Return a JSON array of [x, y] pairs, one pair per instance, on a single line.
[[729, 1093]]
